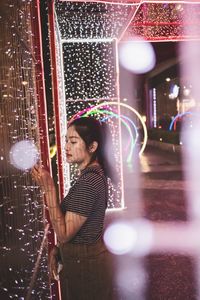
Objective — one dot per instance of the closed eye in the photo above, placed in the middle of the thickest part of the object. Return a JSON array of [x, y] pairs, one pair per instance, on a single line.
[[72, 139]]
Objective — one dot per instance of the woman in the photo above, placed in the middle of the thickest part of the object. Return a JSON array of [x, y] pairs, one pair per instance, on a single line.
[[78, 221]]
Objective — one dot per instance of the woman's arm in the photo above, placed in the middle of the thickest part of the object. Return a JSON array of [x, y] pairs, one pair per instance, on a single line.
[[65, 226]]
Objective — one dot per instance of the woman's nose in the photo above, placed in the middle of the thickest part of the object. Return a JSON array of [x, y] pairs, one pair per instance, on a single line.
[[67, 146]]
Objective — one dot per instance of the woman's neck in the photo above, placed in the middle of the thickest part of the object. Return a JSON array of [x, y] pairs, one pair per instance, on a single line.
[[89, 164]]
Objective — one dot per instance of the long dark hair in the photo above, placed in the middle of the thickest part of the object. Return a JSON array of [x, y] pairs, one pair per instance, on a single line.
[[91, 130]]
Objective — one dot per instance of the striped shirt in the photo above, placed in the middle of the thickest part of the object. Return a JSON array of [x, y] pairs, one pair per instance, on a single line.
[[88, 197]]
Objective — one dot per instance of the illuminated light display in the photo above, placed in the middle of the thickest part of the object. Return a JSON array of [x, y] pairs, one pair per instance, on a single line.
[[131, 109], [178, 116], [90, 20], [132, 141], [79, 40], [86, 67], [82, 31], [165, 21], [23, 219], [154, 96]]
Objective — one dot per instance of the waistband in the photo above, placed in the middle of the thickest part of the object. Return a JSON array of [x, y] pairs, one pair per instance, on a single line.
[[69, 250]]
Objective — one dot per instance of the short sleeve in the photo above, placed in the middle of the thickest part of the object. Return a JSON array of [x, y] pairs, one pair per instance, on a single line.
[[82, 199]]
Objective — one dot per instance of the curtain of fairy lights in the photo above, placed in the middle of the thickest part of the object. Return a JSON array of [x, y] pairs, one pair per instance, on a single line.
[[91, 83], [21, 204], [165, 21], [87, 63], [87, 20], [62, 110]]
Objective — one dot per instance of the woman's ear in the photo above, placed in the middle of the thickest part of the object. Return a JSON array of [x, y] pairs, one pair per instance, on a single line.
[[93, 147]]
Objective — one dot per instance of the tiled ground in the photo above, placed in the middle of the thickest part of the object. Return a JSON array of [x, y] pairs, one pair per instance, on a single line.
[[170, 277], [158, 194]]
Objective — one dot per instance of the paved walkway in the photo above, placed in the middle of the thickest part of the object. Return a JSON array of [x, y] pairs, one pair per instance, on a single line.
[[171, 277], [157, 192]]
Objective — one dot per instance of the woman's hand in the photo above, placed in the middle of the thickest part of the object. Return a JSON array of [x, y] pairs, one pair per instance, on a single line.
[[43, 178], [53, 263]]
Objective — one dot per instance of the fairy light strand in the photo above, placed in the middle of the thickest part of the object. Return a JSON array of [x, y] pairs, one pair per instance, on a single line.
[[21, 206], [162, 21]]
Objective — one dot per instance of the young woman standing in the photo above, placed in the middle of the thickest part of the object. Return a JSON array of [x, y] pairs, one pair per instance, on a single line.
[[78, 221]]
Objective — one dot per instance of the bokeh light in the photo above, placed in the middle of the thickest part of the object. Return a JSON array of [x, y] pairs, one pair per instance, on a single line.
[[24, 155], [131, 280], [137, 56], [120, 238], [134, 237]]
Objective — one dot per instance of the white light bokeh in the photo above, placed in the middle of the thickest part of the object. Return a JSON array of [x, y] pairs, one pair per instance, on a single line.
[[186, 92], [131, 280], [135, 238], [192, 159], [137, 56], [120, 238], [24, 155]]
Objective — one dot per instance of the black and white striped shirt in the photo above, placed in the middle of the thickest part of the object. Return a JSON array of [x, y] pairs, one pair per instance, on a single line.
[[88, 197]]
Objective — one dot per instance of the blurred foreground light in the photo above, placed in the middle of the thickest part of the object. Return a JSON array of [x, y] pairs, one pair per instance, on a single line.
[[186, 92], [131, 280], [135, 238], [120, 238], [137, 56], [24, 155]]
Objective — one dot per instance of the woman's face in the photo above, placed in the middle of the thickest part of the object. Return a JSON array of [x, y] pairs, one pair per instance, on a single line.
[[76, 150]]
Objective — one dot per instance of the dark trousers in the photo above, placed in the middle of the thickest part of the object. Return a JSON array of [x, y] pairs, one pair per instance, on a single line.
[[87, 272]]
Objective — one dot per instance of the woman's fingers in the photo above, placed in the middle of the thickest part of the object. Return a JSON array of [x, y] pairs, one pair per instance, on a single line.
[[36, 174], [39, 173], [53, 267], [36, 168], [43, 178]]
